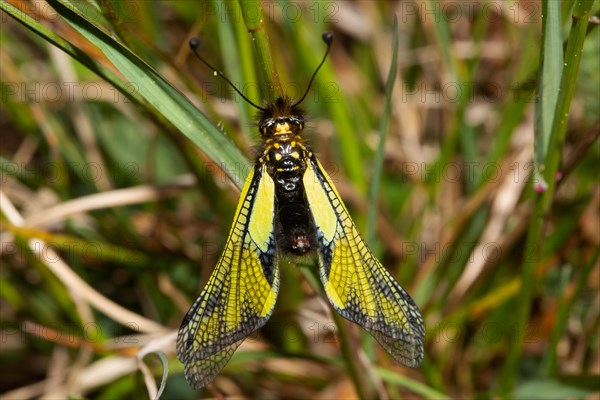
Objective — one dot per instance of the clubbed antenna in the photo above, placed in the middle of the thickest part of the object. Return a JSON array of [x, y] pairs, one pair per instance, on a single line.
[[195, 43], [328, 39]]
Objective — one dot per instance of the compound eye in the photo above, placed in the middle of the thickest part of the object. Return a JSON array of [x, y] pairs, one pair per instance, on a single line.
[[295, 126], [267, 128]]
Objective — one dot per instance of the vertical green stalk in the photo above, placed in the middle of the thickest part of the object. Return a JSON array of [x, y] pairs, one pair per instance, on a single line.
[[549, 169], [383, 127], [235, 62], [248, 72], [253, 17], [581, 14], [548, 87]]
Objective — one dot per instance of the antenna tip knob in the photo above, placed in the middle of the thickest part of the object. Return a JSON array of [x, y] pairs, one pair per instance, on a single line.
[[194, 43], [328, 37]]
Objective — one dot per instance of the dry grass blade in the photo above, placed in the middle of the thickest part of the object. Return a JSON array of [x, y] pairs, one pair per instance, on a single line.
[[76, 285], [113, 198]]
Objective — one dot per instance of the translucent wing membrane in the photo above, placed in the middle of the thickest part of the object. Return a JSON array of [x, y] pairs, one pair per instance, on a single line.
[[356, 283], [241, 292]]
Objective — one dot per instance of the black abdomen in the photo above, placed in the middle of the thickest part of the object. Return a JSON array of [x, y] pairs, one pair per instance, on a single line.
[[296, 232]]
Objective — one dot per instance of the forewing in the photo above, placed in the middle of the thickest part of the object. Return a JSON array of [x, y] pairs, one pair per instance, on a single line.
[[357, 285], [241, 292]]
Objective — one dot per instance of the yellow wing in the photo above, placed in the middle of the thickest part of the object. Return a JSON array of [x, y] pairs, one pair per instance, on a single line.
[[357, 285], [241, 292]]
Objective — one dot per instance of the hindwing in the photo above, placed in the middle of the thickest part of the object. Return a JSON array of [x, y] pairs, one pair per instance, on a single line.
[[357, 285], [241, 292]]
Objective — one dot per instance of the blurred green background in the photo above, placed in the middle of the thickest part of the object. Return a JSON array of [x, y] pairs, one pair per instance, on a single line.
[[117, 193]]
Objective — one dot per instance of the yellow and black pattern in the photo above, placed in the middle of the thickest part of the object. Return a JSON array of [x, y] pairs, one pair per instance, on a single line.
[[241, 292], [289, 206], [356, 283]]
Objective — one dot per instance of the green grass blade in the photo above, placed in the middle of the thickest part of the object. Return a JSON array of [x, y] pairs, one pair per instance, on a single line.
[[549, 169], [253, 17], [410, 384], [73, 51], [549, 85], [167, 100], [239, 61], [79, 247], [581, 14]]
